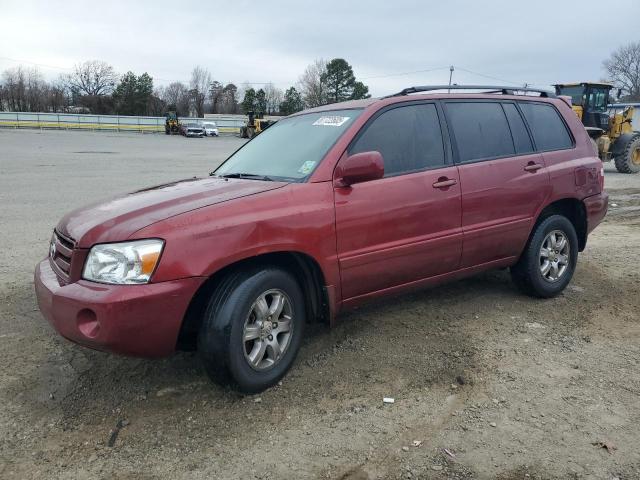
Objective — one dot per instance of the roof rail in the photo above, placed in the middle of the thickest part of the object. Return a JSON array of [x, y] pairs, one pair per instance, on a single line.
[[491, 89]]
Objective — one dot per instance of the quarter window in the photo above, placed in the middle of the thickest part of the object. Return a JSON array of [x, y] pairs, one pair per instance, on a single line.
[[409, 139], [481, 130], [548, 130]]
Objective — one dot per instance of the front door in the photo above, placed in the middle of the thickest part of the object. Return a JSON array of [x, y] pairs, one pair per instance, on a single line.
[[406, 226]]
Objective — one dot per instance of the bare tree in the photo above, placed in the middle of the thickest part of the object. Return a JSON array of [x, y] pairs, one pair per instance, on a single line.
[[311, 84], [200, 82], [24, 90], [93, 77], [623, 68], [176, 95], [274, 97]]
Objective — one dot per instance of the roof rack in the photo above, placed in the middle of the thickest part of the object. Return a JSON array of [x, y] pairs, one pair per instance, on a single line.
[[490, 89]]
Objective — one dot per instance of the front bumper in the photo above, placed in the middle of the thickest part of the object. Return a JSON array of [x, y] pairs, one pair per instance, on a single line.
[[596, 207], [137, 320]]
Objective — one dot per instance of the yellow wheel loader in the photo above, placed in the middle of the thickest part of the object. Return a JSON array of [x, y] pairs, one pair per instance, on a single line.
[[255, 125], [171, 123], [610, 128]]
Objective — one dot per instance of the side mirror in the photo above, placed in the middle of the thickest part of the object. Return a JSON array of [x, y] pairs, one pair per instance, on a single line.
[[358, 168]]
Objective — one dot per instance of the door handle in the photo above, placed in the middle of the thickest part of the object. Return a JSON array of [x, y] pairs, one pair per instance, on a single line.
[[532, 167], [444, 182]]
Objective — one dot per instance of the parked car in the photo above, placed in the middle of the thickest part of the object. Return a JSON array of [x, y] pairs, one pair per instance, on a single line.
[[210, 129], [357, 200], [191, 129]]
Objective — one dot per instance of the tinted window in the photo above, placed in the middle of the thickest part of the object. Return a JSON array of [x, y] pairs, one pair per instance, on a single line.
[[409, 139], [480, 129], [518, 130], [547, 128]]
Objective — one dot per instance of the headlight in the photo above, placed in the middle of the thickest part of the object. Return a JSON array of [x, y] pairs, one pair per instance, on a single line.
[[123, 263]]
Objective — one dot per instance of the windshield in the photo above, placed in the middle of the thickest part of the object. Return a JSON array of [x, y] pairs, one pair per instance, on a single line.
[[291, 148]]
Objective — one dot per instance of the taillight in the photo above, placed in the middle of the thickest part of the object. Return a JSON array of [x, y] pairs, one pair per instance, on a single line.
[[601, 177]]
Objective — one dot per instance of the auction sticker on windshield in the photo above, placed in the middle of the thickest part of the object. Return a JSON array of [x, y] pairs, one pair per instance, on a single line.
[[331, 121]]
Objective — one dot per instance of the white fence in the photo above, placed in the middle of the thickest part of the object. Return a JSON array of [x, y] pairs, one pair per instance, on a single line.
[[72, 121]]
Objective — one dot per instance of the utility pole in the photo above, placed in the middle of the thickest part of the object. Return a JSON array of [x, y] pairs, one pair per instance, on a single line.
[[451, 69]]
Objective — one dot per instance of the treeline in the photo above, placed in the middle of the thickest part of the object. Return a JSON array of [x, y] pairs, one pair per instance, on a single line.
[[95, 87]]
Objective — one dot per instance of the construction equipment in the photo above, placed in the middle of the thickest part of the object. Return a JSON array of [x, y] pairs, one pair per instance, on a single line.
[[171, 123], [609, 127], [255, 125]]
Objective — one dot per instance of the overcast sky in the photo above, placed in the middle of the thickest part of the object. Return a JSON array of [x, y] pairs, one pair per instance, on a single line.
[[538, 42]]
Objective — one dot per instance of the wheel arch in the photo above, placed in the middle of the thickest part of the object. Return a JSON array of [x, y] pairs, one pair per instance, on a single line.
[[574, 210], [304, 267]]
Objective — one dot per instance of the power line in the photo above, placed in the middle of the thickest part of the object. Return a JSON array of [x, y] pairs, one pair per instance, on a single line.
[[489, 76], [404, 73], [36, 64]]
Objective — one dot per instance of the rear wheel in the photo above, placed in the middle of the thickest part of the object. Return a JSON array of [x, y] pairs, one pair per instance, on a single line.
[[252, 328], [628, 160], [549, 259]]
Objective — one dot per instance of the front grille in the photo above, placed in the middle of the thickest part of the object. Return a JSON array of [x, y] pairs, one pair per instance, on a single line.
[[61, 253]]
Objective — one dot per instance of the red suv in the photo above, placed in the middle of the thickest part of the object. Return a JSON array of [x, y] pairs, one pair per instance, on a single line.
[[326, 209]]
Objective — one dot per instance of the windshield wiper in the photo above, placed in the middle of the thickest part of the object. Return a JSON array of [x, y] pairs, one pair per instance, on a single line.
[[248, 176]]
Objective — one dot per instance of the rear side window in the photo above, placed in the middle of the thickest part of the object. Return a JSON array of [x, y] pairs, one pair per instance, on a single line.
[[481, 130], [548, 130], [519, 132], [409, 139]]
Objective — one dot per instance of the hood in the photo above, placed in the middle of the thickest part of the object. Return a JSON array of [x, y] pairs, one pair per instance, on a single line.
[[117, 219]]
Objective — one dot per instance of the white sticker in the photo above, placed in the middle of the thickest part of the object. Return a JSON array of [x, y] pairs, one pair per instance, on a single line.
[[307, 167], [332, 121]]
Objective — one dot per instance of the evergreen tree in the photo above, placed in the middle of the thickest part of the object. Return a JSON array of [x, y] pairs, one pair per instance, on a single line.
[[261, 101], [292, 102], [249, 102], [132, 94], [339, 80], [360, 91]]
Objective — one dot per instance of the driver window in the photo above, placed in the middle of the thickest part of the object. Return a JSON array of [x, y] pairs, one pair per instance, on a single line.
[[409, 139]]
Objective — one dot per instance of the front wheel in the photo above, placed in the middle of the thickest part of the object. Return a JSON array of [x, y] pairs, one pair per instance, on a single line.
[[252, 328], [628, 160], [549, 259]]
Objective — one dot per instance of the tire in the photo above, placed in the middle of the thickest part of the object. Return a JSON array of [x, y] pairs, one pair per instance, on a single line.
[[232, 313], [528, 274], [628, 160]]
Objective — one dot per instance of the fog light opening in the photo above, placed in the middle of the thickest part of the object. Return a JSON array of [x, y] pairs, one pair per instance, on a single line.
[[88, 323]]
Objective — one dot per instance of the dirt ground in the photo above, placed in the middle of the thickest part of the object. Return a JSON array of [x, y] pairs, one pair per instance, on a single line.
[[488, 383]]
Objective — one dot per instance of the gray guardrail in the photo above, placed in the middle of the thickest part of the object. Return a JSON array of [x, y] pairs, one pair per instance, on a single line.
[[119, 123]]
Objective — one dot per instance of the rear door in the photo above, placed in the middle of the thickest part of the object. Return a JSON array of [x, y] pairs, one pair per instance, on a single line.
[[406, 226], [503, 180]]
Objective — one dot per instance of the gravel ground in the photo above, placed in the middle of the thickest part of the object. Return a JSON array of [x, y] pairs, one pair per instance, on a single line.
[[487, 383]]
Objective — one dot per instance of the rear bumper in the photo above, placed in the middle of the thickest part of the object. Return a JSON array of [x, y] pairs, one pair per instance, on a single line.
[[596, 207], [137, 320]]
